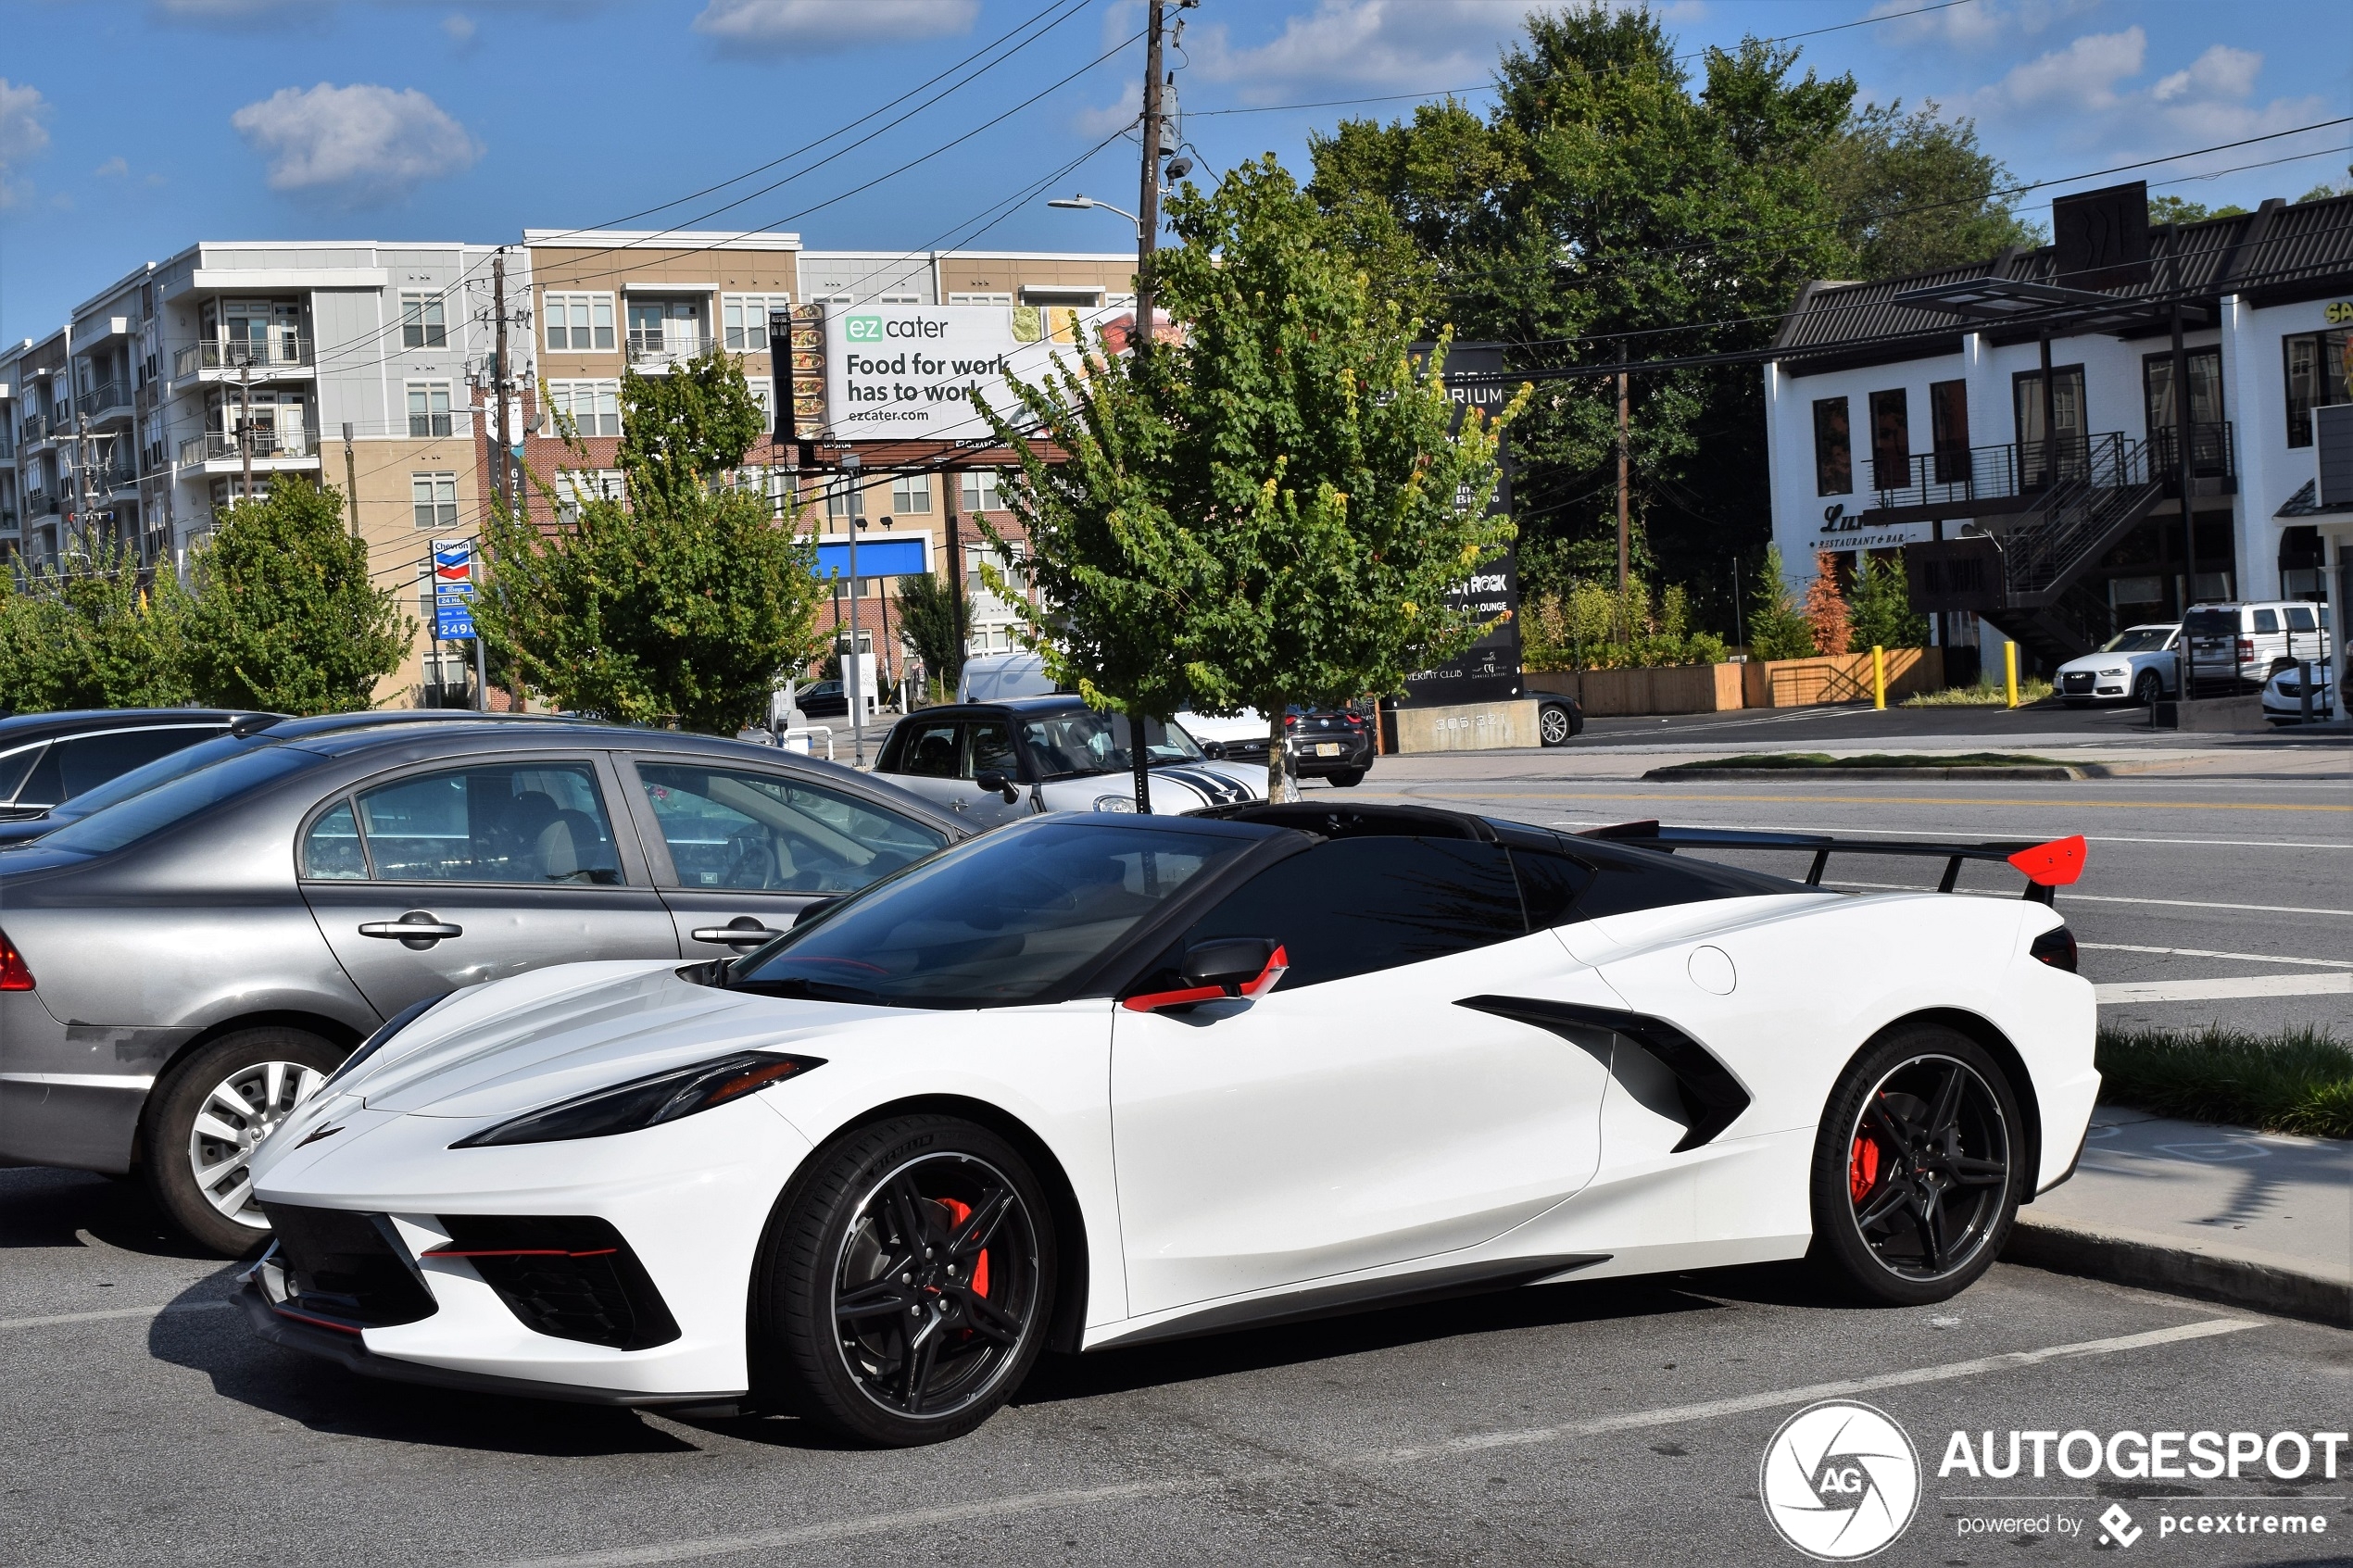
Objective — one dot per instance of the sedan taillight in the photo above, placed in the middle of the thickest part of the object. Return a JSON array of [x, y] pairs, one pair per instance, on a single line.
[[13, 975]]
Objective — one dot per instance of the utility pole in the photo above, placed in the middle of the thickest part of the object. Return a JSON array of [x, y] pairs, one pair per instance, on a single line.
[[499, 478], [350, 479], [1148, 213], [956, 579], [1624, 529], [850, 684], [245, 417]]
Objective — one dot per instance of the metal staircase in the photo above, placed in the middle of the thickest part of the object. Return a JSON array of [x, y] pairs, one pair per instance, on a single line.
[[2047, 549]]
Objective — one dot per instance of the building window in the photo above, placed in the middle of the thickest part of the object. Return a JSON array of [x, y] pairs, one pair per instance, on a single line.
[[1948, 429], [1891, 440], [594, 407], [2320, 373], [579, 323], [2067, 421], [422, 324], [980, 491], [1833, 454], [434, 499], [900, 299], [764, 392], [744, 319], [911, 494], [980, 299], [429, 408], [845, 500], [2206, 390], [575, 485]]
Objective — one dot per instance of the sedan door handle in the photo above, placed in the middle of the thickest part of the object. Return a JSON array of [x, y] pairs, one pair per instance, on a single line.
[[734, 936], [416, 928]]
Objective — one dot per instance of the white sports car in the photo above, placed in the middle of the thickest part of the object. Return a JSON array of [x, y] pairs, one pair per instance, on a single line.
[[1094, 1079]]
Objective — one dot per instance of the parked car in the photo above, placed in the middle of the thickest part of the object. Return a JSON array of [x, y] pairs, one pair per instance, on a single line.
[[2284, 694], [1095, 1082], [2139, 664], [1234, 737], [181, 970], [1330, 742], [991, 762], [2250, 643], [1559, 720], [246, 735], [47, 758], [999, 677], [823, 700]]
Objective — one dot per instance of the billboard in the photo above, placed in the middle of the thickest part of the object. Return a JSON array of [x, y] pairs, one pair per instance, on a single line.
[[453, 590], [907, 372], [1489, 670]]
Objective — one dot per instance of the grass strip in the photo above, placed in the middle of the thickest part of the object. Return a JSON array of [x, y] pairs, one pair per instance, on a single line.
[[2297, 1082], [1985, 694], [1768, 760]]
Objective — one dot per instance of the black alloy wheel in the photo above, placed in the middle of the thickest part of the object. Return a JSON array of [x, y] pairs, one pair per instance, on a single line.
[[907, 1282], [2149, 690], [1917, 1171]]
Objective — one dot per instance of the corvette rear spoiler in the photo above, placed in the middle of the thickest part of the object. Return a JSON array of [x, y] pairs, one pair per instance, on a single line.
[[2048, 867]]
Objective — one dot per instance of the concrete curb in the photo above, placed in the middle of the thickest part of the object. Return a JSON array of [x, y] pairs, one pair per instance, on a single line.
[[2067, 1249], [1875, 776]]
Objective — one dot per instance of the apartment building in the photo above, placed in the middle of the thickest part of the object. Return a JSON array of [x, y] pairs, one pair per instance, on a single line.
[[2015, 429]]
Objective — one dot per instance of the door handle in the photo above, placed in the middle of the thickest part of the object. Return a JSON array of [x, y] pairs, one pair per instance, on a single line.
[[734, 936], [418, 929]]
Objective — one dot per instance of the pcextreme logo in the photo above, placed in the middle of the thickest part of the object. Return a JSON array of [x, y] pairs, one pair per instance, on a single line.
[[1838, 1481]]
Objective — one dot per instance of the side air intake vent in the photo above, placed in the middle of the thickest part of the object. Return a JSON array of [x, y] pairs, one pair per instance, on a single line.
[[568, 1276]]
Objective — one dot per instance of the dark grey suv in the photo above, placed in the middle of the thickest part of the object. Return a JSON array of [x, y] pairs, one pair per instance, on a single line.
[[179, 969]]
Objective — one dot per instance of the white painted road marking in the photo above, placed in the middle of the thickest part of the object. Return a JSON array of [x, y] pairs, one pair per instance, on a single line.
[[111, 1312], [1943, 830], [990, 1508], [2224, 990], [2073, 897], [2204, 953]]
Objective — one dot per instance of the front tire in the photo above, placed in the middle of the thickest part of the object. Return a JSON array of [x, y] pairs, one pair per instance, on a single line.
[[906, 1283], [2149, 690], [1555, 723], [1348, 778], [1918, 1168], [204, 1121]]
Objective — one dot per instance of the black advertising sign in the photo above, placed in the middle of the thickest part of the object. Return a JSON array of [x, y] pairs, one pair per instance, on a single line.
[[1489, 670], [2102, 237]]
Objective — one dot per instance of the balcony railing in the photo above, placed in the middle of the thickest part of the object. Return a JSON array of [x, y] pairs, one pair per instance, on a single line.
[[664, 348], [40, 502], [7, 519], [1955, 476], [111, 474], [280, 351], [34, 428], [2210, 454], [214, 445], [105, 396]]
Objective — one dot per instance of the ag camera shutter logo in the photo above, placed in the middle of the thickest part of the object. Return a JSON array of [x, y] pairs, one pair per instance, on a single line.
[[1838, 1481]]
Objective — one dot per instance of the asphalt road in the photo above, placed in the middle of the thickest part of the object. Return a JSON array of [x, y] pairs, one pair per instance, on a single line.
[[2237, 881], [1618, 1423], [1765, 729]]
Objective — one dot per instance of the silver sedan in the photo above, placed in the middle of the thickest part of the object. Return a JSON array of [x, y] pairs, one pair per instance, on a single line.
[[181, 970]]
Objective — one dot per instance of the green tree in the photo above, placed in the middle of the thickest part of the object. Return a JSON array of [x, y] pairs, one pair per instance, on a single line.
[[2181, 209], [931, 620], [1914, 191], [1776, 627], [283, 614], [1881, 608], [681, 602], [89, 634], [1272, 511], [1611, 192]]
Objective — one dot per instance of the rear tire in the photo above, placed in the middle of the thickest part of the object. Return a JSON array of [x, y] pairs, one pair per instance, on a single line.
[[205, 1119], [906, 1283], [1348, 778], [1918, 1168], [1555, 723]]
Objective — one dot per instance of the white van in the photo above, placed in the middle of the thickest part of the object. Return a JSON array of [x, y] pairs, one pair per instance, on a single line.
[[2256, 640], [996, 677]]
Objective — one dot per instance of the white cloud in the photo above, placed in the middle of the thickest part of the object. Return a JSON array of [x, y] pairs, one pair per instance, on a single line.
[[23, 135], [1414, 44], [459, 27], [359, 144], [2082, 75], [1126, 107], [2221, 72], [1971, 26], [833, 24], [114, 168]]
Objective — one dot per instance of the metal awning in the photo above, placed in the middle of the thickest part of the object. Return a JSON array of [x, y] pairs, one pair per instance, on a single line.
[[2015, 300]]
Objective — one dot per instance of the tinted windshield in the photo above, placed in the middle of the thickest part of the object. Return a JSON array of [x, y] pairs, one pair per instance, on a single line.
[[2139, 639], [1069, 745], [163, 769], [992, 922], [129, 820], [2213, 622]]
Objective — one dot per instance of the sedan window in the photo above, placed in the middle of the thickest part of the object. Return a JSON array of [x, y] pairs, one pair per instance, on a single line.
[[738, 829], [86, 761], [169, 804], [930, 753], [529, 823], [1356, 905], [15, 766]]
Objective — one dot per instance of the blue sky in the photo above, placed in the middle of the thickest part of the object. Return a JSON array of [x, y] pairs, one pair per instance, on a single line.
[[129, 127]]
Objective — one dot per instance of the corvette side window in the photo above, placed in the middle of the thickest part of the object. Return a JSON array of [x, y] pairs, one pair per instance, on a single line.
[[1356, 905], [1549, 884]]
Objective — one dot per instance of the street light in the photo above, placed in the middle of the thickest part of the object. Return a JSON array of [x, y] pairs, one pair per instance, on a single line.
[[1083, 203]]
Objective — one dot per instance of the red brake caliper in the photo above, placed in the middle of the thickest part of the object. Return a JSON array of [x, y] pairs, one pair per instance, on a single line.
[[957, 1214], [1862, 1168]]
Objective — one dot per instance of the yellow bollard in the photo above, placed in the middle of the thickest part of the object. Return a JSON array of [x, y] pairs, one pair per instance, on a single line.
[[2009, 671], [1879, 676]]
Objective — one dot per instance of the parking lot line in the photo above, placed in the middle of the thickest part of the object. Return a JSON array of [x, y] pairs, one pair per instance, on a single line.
[[885, 1524], [102, 1316], [2074, 897], [2203, 953], [2123, 991]]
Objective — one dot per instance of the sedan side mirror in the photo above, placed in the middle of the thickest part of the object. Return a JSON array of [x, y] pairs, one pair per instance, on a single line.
[[1000, 783], [1215, 970]]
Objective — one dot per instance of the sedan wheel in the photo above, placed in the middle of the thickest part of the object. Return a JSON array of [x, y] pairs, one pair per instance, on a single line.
[[206, 1118], [1555, 725], [907, 1282], [2149, 690], [1917, 1172]]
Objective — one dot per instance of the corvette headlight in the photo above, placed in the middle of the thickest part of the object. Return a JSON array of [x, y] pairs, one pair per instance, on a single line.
[[647, 1102]]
